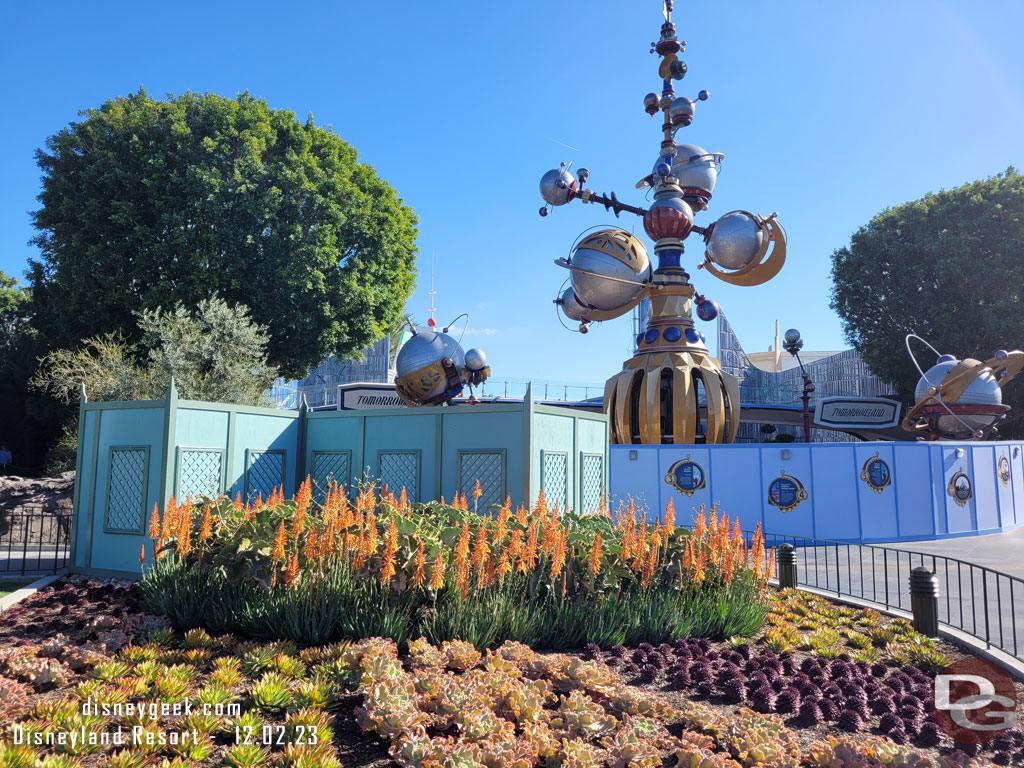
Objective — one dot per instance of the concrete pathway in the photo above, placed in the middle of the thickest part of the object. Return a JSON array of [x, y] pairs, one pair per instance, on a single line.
[[998, 551]]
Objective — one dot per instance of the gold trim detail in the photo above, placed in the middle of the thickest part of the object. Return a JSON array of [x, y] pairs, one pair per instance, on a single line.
[[952, 487], [865, 474], [672, 480], [801, 493]]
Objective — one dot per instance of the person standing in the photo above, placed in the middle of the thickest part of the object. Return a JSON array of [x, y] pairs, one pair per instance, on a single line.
[[5, 459]]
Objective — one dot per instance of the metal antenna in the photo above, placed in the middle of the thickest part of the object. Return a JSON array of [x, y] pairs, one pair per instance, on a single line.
[[432, 309]]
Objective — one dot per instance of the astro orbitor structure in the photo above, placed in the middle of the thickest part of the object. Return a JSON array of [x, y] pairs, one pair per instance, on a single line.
[[658, 396]]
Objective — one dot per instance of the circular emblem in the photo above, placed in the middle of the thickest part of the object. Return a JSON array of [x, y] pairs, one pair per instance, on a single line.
[[960, 488], [1004, 470], [786, 492], [876, 473], [686, 476], [974, 701]]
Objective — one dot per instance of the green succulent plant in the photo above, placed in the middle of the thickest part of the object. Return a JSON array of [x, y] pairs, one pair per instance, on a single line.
[[272, 694]]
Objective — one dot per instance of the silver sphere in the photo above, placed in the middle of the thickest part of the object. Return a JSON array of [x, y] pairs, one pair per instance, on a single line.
[[792, 336], [983, 389], [610, 269], [700, 173], [680, 112], [426, 348], [550, 190], [735, 240], [476, 360], [571, 306]]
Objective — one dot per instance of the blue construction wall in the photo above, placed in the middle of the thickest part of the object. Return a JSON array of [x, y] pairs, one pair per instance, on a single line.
[[919, 501], [135, 455]]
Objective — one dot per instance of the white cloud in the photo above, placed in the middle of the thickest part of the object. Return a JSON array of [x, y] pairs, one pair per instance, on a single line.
[[482, 332]]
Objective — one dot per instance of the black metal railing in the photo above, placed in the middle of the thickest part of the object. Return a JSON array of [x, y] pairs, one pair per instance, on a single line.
[[976, 600], [34, 540]]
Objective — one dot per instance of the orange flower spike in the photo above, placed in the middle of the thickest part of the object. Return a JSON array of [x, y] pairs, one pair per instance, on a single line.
[[501, 527], [170, 523], [443, 502], [515, 545], [769, 571], [238, 502], [477, 490], [481, 550], [530, 555], [649, 567], [142, 555], [670, 517], [507, 506], [304, 496], [206, 529], [419, 574], [558, 552], [699, 527], [520, 515], [291, 574], [154, 523], [437, 573], [461, 561], [541, 507], [277, 553], [504, 565], [311, 550], [387, 570], [299, 521], [370, 539], [403, 501], [184, 539], [594, 564]]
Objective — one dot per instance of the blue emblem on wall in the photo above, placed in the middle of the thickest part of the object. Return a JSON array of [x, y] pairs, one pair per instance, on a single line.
[[686, 476], [960, 488], [876, 473], [786, 492], [1004, 470]]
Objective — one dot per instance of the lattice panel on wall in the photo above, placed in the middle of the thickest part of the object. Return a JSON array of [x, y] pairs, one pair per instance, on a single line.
[[264, 473], [199, 473], [329, 467], [126, 490], [591, 481], [400, 469], [489, 468], [555, 477]]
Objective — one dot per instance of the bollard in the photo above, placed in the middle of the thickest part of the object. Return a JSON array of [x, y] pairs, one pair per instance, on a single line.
[[787, 566], [924, 601]]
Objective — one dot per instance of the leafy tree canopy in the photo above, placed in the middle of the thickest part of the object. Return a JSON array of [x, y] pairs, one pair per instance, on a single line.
[[947, 267], [148, 203], [217, 353]]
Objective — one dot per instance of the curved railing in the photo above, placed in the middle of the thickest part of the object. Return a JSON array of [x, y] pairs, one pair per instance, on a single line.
[[979, 601]]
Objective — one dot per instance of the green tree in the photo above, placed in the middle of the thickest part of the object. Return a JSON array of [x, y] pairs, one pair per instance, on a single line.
[[148, 203], [27, 420], [216, 353], [947, 267]]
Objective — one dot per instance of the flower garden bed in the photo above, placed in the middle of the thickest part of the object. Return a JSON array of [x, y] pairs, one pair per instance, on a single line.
[[811, 684]]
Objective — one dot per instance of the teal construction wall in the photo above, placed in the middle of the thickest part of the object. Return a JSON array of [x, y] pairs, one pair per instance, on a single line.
[[136, 454]]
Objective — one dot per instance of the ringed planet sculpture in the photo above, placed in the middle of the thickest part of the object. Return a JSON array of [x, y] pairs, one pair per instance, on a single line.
[[662, 391]]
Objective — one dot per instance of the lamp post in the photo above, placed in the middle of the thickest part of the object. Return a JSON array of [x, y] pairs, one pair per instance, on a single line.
[[793, 345]]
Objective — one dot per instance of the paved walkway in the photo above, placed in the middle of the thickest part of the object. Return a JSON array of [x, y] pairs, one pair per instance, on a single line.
[[998, 551]]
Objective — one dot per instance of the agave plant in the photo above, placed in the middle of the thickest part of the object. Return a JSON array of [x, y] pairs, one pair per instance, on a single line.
[[272, 694], [247, 755]]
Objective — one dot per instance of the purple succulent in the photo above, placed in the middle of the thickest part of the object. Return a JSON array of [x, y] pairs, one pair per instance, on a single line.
[[899, 736], [878, 669], [829, 709], [705, 689], [612, 661], [700, 672], [850, 720], [808, 689], [929, 735], [969, 749], [733, 691], [656, 660], [712, 655], [1002, 743], [592, 651], [703, 643], [1002, 758], [640, 656], [788, 701], [620, 651], [763, 700], [631, 669], [743, 649], [665, 649], [648, 673], [810, 713], [646, 647], [680, 679], [882, 706], [890, 721]]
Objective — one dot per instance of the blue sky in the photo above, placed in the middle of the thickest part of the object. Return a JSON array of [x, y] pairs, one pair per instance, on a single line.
[[826, 113]]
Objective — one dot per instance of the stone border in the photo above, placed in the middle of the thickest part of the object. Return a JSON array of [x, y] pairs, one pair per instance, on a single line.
[[18, 595]]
